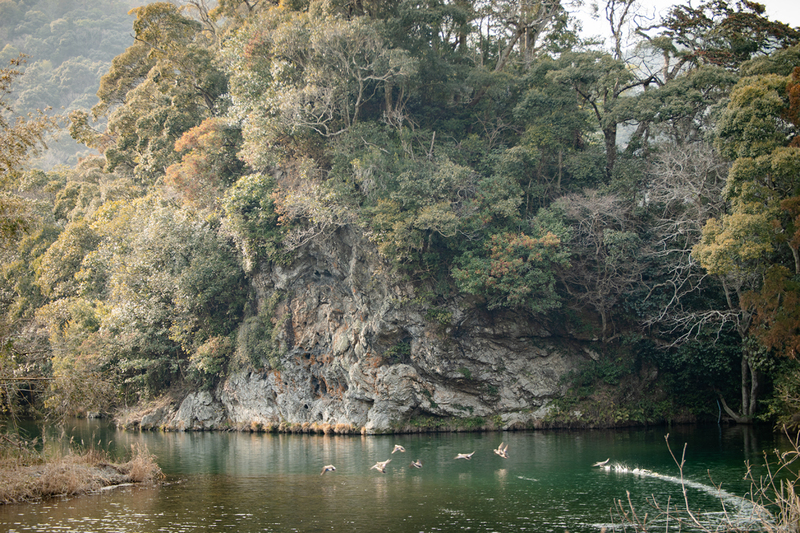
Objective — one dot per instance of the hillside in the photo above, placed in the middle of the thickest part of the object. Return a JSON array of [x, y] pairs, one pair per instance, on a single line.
[[69, 46], [386, 216]]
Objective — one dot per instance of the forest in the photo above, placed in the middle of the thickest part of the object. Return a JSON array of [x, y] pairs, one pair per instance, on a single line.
[[645, 187]]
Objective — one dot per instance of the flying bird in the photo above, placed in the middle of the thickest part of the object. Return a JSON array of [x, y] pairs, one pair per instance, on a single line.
[[502, 451], [398, 448], [327, 468], [416, 463], [602, 463], [466, 456], [380, 466]]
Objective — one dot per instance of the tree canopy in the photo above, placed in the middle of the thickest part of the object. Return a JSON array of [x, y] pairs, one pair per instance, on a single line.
[[646, 187]]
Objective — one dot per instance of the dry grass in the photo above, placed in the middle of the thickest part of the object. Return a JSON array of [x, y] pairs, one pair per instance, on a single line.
[[775, 492], [775, 504], [30, 476]]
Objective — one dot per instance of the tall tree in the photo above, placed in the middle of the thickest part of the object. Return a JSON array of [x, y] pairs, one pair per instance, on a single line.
[[683, 191], [604, 250], [717, 33], [752, 241], [160, 87], [19, 136], [301, 74], [603, 84]]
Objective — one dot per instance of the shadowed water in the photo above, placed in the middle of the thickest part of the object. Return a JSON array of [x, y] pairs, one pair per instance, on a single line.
[[268, 482]]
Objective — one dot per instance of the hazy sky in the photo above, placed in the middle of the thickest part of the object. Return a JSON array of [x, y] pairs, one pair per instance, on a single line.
[[787, 11]]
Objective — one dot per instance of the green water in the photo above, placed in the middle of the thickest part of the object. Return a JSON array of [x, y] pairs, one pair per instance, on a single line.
[[267, 482]]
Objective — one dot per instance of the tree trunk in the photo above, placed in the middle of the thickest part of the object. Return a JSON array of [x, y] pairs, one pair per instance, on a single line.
[[388, 87], [739, 419], [560, 170], [610, 136], [753, 393], [501, 63], [750, 386], [604, 322], [745, 386]]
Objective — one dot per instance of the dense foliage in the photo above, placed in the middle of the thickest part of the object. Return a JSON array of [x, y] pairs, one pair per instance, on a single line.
[[644, 191]]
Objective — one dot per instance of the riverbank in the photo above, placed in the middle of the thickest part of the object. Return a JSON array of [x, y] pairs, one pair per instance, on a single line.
[[29, 479]]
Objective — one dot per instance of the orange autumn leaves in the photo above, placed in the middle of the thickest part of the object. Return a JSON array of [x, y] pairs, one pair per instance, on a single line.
[[208, 165]]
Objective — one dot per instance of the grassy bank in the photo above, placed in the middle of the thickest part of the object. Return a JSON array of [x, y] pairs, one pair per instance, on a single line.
[[28, 474]]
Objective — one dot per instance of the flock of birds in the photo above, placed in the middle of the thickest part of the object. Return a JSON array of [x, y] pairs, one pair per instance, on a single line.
[[380, 466]]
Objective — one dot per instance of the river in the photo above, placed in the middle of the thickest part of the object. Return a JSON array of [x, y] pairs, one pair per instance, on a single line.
[[271, 482]]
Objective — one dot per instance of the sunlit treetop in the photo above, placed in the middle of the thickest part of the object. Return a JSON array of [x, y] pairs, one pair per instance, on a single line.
[[718, 33]]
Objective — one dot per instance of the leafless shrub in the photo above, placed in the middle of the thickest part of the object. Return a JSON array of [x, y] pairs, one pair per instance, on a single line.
[[776, 490], [684, 190]]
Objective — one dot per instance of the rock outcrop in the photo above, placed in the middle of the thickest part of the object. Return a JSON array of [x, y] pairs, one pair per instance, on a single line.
[[358, 352]]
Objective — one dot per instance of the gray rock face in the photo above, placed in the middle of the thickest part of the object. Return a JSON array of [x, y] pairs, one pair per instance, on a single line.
[[198, 411], [358, 353]]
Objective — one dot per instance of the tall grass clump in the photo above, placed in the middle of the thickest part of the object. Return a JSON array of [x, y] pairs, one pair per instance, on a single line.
[[775, 491], [32, 471]]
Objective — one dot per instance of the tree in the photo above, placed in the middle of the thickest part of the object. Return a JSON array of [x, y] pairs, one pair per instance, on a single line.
[[160, 87], [208, 165], [555, 155], [298, 75], [249, 207], [79, 384], [689, 62], [431, 202], [776, 322], [602, 84], [19, 136], [524, 24], [716, 33], [683, 191], [514, 271], [173, 285], [517, 34], [604, 252], [744, 245], [57, 273]]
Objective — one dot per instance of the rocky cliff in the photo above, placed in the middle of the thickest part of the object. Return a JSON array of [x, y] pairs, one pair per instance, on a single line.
[[358, 352]]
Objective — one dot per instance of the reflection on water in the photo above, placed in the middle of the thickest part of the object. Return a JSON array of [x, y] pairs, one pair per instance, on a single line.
[[266, 482]]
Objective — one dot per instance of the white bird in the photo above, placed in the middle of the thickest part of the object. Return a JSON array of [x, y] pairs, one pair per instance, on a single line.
[[327, 468], [398, 448], [380, 466], [466, 456], [602, 463], [415, 464], [502, 451]]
